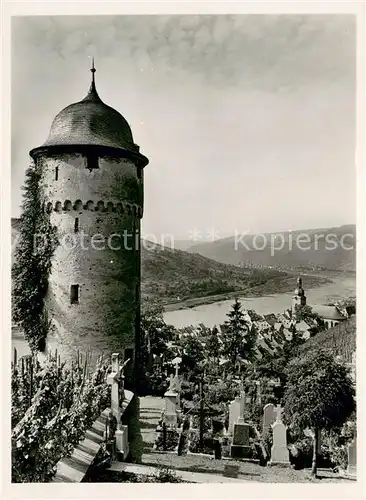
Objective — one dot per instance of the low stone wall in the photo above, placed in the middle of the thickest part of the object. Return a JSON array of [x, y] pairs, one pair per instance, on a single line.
[[73, 469]]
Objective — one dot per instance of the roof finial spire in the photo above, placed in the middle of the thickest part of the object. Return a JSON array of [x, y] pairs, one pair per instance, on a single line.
[[92, 94], [93, 70]]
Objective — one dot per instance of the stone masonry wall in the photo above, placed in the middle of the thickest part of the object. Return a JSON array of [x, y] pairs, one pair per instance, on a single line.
[[106, 201]]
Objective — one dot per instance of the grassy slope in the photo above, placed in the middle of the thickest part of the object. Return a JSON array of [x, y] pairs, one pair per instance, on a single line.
[[169, 274], [318, 256]]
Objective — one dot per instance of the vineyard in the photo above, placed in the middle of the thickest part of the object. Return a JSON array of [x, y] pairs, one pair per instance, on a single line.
[[53, 405]]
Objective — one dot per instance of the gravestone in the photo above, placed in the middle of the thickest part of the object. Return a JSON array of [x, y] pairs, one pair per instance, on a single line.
[[217, 427], [175, 386], [268, 418], [279, 451], [352, 458], [116, 380], [217, 448], [170, 411], [240, 447], [258, 392], [234, 413]]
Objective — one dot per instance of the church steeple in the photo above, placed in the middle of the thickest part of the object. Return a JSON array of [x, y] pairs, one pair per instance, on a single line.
[[299, 281], [299, 298]]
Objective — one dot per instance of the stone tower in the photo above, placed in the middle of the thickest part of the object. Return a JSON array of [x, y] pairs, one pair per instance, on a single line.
[[92, 181], [299, 298]]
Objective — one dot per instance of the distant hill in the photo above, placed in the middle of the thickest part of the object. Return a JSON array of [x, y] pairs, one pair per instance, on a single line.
[[339, 340], [176, 275], [322, 254], [170, 274]]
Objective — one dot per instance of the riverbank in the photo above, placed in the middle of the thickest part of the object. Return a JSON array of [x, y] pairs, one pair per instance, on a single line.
[[335, 287], [269, 288]]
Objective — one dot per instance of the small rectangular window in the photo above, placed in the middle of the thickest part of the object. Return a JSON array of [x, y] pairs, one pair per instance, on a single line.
[[92, 162], [56, 174], [74, 294], [76, 225]]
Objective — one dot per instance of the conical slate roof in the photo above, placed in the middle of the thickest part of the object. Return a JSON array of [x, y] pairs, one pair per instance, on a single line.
[[90, 122]]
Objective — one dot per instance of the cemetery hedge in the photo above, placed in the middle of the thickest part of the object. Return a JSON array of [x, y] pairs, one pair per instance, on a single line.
[[32, 263]]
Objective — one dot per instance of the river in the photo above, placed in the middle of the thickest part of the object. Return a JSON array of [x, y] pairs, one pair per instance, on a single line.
[[342, 286]]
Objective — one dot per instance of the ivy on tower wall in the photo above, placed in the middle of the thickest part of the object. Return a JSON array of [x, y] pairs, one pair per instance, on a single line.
[[32, 262]]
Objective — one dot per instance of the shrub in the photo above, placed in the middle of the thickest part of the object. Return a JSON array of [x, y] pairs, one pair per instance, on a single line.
[[172, 438], [194, 443], [65, 404], [166, 475]]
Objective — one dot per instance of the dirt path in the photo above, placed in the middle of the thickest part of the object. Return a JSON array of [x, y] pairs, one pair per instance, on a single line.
[[150, 414]]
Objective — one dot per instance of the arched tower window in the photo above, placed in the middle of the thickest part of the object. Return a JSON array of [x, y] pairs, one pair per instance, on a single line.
[[76, 225], [78, 205], [100, 206], [56, 173], [67, 206]]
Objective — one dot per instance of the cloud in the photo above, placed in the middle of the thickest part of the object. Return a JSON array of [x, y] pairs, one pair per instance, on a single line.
[[231, 106]]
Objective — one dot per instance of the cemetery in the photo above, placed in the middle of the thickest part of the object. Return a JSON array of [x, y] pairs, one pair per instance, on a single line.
[[75, 423]]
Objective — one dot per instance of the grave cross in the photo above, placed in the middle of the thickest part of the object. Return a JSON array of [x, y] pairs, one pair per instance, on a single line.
[[115, 380], [176, 368], [278, 411]]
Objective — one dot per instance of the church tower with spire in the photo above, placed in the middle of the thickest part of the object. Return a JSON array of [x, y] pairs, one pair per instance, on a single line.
[[299, 298], [92, 181]]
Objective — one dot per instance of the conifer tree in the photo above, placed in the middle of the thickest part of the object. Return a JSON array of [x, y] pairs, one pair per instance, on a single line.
[[239, 339], [213, 344]]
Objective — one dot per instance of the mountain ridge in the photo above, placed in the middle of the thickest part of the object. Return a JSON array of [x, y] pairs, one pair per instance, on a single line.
[[237, 250]]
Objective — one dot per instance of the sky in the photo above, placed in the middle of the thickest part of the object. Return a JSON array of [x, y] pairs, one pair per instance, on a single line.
[[248, 121]]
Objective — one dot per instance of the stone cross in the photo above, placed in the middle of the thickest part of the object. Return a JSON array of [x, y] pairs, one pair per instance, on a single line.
[[176, 368], [115, 380], [278, 411]]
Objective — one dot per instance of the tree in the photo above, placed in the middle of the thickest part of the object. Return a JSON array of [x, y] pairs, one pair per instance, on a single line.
[[239, 339], [319, 394], [154, 336], [213, 344], [193, 353], [155, 332], [305, 313]]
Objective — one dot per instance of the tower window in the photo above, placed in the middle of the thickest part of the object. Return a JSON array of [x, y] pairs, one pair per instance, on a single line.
[[56, 174], [92, 162], [74, 294], [76, 225]]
